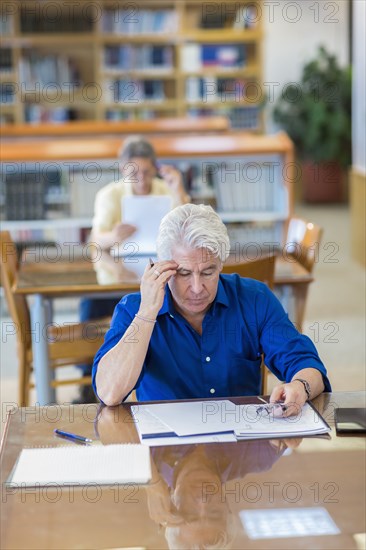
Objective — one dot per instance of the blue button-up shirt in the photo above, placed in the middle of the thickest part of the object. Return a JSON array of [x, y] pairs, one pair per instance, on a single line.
[[244, 321]]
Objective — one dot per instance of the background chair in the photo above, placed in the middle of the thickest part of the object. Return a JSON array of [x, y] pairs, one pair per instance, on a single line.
[[303, 241], [302, 244], [68, 347], [261, 270]]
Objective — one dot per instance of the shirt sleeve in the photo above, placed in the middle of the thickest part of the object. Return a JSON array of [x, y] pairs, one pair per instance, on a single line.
[[107, 210], [286, 351], [123, 316]]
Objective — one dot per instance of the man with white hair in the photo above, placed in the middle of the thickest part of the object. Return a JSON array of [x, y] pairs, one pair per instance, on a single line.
[[193, 333]]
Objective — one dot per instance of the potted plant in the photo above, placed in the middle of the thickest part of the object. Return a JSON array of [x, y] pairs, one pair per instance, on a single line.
[[316, 113]]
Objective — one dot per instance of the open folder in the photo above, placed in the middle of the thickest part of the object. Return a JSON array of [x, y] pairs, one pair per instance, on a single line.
[[213, 419]]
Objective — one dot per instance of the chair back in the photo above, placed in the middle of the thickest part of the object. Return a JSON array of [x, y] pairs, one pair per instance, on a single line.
[[303, 240], [261, 269], [17, 304]]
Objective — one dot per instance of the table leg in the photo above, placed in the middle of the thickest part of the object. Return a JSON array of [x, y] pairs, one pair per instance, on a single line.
[[41, 317]]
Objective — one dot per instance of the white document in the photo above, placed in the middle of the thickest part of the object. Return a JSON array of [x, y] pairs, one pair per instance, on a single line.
[[154, 433], [146, 214], [197, 418], [308, 422], [66, 465]]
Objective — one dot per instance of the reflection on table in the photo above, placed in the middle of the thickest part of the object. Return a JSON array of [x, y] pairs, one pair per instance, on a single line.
[[198, 493]]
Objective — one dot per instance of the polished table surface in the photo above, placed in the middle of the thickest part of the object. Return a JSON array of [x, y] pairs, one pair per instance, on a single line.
[[210, 485], [82, 274]]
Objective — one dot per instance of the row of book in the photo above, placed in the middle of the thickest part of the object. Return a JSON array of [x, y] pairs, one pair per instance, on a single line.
[[132, 92], [41, 69], [136, 21], [249, 186], [6, 24], [7, 92], [253, 235], [35, 113], [137, 114], [53, 234], [145, 57], [225, 16], [24, 197], [6, 60], [243, 118], [220, 56], [211, 89], [39, 18]]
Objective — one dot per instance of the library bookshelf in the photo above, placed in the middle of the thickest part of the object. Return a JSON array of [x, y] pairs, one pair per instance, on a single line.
[[120, 60], [50, 189]]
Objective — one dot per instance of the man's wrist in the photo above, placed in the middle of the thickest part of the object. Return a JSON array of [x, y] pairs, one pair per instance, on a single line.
[[305, 384], [148, 313]]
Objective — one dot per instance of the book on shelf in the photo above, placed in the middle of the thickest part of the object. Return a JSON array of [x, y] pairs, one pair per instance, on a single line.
[[130, 22], [252, 185], [35, 113], [214, 89], [219, 56], [138, 58], [224, 17], [128, 91], [24, 196], [6, 60], [42, 69], [7, 92], [262, 234], [223, 55], [247, 17], [68, 21]]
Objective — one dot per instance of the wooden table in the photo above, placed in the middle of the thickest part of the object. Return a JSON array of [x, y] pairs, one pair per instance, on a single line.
[[211, 484], [79, 277]]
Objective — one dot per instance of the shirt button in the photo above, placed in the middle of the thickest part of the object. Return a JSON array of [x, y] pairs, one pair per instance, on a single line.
[[208, 359], [212, 390]]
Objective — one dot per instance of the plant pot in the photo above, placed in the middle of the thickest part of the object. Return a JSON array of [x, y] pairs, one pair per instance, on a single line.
[[323, 182]]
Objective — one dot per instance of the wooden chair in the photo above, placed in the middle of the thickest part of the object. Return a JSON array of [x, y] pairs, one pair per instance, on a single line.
[[303, 240], [69, 346], [261, 270]]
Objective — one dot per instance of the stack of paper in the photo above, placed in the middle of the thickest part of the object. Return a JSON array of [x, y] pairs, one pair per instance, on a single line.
[[68, 465], [218, 421]]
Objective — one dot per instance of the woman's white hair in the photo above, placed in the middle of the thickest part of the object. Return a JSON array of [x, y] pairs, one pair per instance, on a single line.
[[193, 226]]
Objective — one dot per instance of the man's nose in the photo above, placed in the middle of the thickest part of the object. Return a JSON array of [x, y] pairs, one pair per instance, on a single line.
[[196, 285]]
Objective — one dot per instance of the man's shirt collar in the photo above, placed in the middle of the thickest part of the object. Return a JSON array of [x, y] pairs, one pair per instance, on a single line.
[[168, 304]]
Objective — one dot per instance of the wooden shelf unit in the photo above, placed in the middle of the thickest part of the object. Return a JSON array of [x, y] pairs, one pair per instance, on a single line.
[[56, 75], [251, 184]]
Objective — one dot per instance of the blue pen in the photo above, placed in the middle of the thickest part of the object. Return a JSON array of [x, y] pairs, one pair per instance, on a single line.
[[71, 436]]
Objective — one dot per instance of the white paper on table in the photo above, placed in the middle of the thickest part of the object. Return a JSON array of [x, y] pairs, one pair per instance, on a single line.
[[149, 425], [66, 464], [214, 417], [146, 214], [193, 418]]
